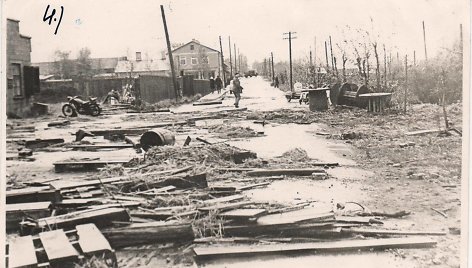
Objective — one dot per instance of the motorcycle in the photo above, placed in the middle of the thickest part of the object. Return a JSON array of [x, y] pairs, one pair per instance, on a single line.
[[77, 105]]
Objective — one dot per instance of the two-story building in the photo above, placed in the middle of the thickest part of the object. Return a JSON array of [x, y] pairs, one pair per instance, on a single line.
[[22, 78], [198, 60]]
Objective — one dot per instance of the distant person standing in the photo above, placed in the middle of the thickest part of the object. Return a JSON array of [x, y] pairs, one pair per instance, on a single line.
[[219, 84], [237, 89], [212, 84], [276, 82]]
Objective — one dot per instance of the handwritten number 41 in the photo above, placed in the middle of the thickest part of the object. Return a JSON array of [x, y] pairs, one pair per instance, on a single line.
[[51, 17]]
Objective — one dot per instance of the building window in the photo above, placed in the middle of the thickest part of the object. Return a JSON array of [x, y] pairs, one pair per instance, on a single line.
[[205, 59], [194, 61], [16, 81], [192, 47], [183, 61]]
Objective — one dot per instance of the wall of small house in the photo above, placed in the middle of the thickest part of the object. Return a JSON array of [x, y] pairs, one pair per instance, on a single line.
[[18, 52]]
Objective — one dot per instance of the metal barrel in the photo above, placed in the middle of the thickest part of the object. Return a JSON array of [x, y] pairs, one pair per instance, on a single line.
[[157, 137]]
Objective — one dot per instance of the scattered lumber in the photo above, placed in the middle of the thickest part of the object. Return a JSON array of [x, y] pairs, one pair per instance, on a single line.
[[252, 186], [207, 103], [148, 233], [16, 212], [182, 182], [100, 217], [164, 110], [91, 240], [439, 212], [338, 246], [305, 215], [243, 214], [59, 123], [423, 132], [33, 194], [21, 252], [279, 172], [223, 199], [318, 229], [64, 185], [85, 165], [223, 207], [360, 220], [41, 143], [382, 232], [99, 146], [398, 214], [57, 247]]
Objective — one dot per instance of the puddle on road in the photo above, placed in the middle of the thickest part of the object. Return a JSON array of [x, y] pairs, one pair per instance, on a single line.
[[281, 138], [353, 260]]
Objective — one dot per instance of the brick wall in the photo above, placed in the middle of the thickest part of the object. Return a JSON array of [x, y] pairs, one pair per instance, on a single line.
[[19, 52]]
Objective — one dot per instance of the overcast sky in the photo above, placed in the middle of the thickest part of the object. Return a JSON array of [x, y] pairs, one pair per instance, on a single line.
[[112, 28]]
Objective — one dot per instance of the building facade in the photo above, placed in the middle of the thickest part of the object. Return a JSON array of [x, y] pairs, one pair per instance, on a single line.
[[22, 78], [198, 60]]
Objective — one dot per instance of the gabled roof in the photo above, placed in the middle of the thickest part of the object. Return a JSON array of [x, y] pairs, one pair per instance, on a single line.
[[197, 43]]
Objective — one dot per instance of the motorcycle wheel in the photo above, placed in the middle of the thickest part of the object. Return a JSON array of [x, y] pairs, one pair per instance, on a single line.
[[69, 110], [95, 110]]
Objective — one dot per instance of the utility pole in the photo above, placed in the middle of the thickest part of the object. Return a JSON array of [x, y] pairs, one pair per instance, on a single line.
[[314, 63], [461, 40], [223, 63], [385, 68], [230, 60], [414, 57], [235, 61], [424, 38], [239, 60], [326, 52], [406, 83], [290, 37], [333, 66], [169, 50], [273, 73]]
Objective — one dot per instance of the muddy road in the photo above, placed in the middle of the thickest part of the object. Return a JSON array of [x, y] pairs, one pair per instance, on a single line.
[[374, 170]]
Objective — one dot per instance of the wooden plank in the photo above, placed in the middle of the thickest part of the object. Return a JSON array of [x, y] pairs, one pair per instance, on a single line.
[[248, 187], [100, 146], [243, 213], [367, 232], [423, 132], [91, 240], [21, 252], [224, 199], [99, 216], [288, 172], [361, 220], [148, 233], [62, 166], [207, 103], [226, 206], [317, 229], [57, 246], [179, 181], [62, 185], [302, 215], [40, 143], [338, 246], [33, 194]]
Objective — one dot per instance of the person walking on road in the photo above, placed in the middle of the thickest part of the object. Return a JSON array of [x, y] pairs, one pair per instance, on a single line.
[[237, 89], [219, 84], [212, 84]]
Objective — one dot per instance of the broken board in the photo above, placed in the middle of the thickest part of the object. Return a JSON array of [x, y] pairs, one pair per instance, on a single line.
[[57, 246], [21, 252], [85, 165], [338, 246], [288, 172], [243, 213], [91, 240]]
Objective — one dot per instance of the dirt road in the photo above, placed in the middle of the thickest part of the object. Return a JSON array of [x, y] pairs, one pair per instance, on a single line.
[[374, 170]]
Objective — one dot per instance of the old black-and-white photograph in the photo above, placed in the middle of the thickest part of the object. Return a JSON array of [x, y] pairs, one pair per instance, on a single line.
[[245, 133]]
